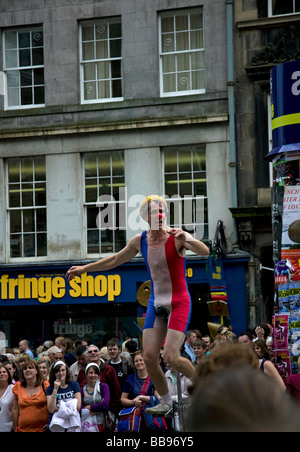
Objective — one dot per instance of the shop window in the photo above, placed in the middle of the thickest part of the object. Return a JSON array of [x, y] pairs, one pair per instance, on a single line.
[[185, 188], [279, 7], [101, 60], [24, 68], [27, 212], [181, 47], [105, 203]]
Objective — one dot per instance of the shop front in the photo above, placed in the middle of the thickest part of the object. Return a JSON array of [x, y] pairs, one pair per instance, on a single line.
[[38, 303]]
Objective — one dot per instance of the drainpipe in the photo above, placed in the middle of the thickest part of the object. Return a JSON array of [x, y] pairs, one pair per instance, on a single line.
[[233, 156], [231, 108]]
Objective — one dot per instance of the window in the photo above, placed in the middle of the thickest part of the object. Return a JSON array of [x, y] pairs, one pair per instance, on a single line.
[[105, 205], [185, 188], [279, 7], [24, 68], [101, 58], [27, 214], [181, 46]]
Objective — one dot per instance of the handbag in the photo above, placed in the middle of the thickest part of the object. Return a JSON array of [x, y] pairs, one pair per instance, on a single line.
[[88, 422], [157, 423], [108, 424]]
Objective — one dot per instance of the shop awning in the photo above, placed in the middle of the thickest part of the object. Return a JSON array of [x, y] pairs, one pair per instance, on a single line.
[[283, 149]]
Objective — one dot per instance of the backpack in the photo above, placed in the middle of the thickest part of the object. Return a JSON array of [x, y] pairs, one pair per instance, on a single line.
[[154, 422], [130, 420]]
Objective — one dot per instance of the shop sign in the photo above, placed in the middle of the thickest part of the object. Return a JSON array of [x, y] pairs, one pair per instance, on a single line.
[[285, 95], [47, 288]]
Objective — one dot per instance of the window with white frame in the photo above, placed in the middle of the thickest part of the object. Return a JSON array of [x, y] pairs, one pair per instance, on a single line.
[[181, 48], [105, 203], [101, 60], [185, 188], [23, 56], [279, 7], [27, 210]]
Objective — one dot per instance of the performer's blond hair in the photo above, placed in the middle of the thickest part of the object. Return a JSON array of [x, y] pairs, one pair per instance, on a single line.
[[145, 203]]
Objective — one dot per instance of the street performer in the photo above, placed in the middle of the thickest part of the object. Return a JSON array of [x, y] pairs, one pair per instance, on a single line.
[[169, 307]]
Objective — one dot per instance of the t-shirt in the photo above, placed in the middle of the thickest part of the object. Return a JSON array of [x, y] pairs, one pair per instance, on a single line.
[[119, 369], [65, 393], [6, 402], [33, 412], [133, 386]]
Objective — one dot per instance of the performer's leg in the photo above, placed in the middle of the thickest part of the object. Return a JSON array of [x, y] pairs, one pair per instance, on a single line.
[[172, 355], [153, 339], [174, 341]]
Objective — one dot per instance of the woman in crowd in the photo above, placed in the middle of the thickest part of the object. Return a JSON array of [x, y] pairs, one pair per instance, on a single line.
[[29, 411], [6, 400], [95, 395], [133, 393], [62, 389], [12, 369], [44, 366], [20, 360]]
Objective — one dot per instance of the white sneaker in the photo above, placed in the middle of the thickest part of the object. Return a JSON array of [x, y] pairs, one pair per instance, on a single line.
[[158, 410]]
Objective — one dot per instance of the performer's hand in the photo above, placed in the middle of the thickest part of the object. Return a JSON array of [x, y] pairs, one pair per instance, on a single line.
[[177, 233], [74, 271]]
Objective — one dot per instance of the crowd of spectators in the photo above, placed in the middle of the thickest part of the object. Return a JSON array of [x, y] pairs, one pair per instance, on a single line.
[[236, 385]]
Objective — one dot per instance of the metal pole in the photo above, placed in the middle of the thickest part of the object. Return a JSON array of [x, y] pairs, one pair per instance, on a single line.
[[180, 404]]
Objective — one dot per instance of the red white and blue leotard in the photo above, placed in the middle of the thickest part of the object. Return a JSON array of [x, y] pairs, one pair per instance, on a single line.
[[168, 284]]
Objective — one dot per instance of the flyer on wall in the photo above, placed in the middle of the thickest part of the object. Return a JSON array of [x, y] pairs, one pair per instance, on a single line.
[[290, 248]]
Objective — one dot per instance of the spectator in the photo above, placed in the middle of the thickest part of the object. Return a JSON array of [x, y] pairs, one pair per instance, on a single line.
[[260, 349], [58, 342], [199, 347], [262, 331], [293, 385], [131, 395], [171, 376], [81, 361], [24, 347], [20, 361], [61, 390], [224, 356], [188, 345], [44, 366], [95, 395], [259, 407], [108, 375], [6, 400], [130, 347], [29, 411], [245, 338], [51, 353], [209, 340], [68, 351], [122, 365], [12, 369]]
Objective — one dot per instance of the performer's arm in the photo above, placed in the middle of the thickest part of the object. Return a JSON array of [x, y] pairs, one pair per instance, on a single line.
[[189, 242], [109, 262]]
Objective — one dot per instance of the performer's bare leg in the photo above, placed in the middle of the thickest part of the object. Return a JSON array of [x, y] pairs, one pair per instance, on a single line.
[[152, 342], [153, 339], [172, 355]]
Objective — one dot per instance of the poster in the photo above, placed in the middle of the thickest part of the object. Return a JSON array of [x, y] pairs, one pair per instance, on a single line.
[[290, 247]]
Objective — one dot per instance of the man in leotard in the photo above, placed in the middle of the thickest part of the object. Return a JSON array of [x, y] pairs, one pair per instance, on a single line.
[[163, 249]]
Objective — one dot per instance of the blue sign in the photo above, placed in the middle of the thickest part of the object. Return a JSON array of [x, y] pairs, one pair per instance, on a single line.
[[285, 96]]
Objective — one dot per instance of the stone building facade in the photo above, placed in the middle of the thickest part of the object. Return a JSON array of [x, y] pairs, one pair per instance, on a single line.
[[142, 91]]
